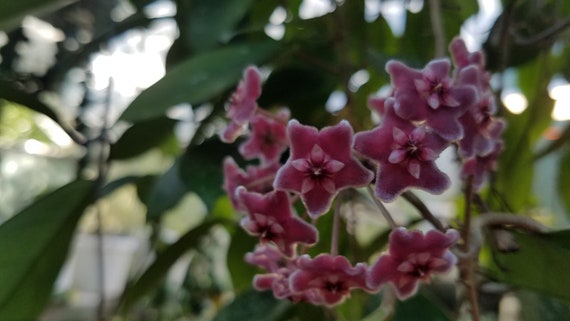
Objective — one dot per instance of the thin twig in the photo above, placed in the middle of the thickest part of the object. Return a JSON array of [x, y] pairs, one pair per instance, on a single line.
[[335, 227], [424, 211], [437, 27], [102, 167], [468, 264], [382, 208], [558, 27]]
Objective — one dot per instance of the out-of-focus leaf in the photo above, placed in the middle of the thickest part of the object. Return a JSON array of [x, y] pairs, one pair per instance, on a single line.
[[514, 179], [308, 312], [166, 192], [420, 305], [198, 79], [10, 93], [536, 307], [12, 11], [201, 169], [540, 264], [242, 272], [303, 89], [34, 245], [142, 136], [205, 24], [564, 179], [254, 306], [110, 187], [510, 42], [152, 276], [554, 145]]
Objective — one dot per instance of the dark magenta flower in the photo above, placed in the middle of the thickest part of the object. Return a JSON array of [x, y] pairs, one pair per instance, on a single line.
[[413, 257], [327, 279], [479, 124], [405, 153], [479, 166], [462, 57], [243, 104], [320, 165], [254, 178], [267, 141], [430, 95], [479, 127], [270, 217]]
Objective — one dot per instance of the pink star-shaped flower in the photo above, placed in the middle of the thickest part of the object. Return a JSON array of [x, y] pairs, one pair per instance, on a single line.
[[267, 141], [278, 269], [243, 104], [413, 257], [254, 178], [329, 279], [406, 155], [429, 95], [270, 217], [320, 165]]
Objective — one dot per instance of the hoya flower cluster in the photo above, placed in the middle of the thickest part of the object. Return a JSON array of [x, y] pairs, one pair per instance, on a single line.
[[427, 111]]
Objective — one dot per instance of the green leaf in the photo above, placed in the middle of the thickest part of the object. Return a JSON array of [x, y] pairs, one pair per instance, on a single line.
[[165, 193], [421, 304], [11, 12], [198, 79], [564, 179], [536, 307], [242, 272], [540, 264], [10, 93], [34, 245], [205, 24], [254, 306], [303, 89], [142, 136], [523, 132], [110, 187], [201, 169], [152, 276]]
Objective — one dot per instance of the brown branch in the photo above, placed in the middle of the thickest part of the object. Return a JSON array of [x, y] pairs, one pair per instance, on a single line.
[[423, 209], [437, 27], [558, 27]]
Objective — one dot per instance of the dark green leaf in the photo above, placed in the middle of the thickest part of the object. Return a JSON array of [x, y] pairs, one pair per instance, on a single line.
[[254, 306], [10, 93], [198, 79], [536, 307], [142, 136], [303, 89], [242, 272], [420, 305], [540, 264], [206, 24], [201, 169], [164, 260], [34, 245], [510, 42], [308, 312], [110, 187], [165, 193]]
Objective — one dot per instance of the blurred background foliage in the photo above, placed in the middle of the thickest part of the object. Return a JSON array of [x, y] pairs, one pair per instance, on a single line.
[[108, 122]]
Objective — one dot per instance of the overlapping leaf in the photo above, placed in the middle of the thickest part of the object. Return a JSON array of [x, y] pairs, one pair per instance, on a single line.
[[34, 245]]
